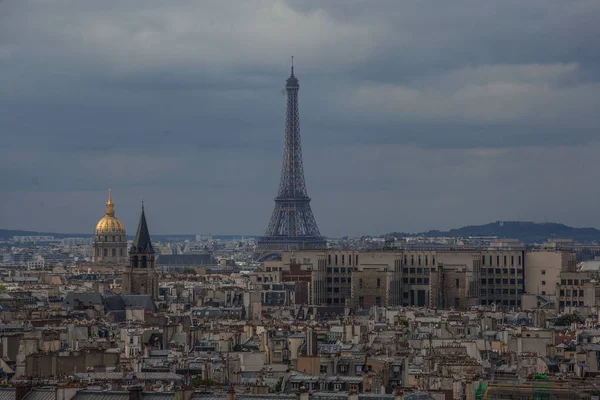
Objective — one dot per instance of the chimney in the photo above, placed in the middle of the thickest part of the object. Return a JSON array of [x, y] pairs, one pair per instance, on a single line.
[[135, 393], [21, 392], [399, 394], [353, 394], [302, 394], [230, 395]]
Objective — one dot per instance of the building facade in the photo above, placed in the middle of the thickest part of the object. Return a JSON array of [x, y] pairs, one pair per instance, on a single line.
[[428, 277]]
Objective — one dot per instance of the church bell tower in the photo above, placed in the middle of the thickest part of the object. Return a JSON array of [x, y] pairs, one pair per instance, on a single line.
[[140, 276]]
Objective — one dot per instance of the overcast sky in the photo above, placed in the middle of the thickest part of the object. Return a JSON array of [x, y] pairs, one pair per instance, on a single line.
[[415, 115]]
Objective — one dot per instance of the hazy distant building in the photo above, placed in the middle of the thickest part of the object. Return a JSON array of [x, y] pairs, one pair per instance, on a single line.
[[140, 277], [110, 238]]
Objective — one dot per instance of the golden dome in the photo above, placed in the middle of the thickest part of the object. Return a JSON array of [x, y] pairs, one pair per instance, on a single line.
[[110, 223]]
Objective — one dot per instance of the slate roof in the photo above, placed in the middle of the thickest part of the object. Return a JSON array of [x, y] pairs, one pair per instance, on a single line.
[[142, 243], [101, 395], [87, 394], [7, 393], [139, 301], [116, 376], [123, 301], [85, 299], [185, 259], [315, 395], [178, 338], [42, 393]]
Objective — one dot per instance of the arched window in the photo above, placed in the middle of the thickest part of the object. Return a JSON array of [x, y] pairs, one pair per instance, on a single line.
[[105, 252], [144, 262], [120, 252]]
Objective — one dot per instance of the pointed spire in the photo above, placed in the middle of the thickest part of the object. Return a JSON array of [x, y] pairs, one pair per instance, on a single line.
[[292, 65], [142, 242], [110, 206]]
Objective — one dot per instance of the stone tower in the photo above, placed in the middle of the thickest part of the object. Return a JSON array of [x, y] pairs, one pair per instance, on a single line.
[[140, 277]]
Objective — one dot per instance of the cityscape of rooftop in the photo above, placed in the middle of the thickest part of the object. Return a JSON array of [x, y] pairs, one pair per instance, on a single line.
[[291, 199]]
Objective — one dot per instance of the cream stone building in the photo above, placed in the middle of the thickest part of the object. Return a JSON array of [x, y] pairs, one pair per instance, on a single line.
[[458, 278]]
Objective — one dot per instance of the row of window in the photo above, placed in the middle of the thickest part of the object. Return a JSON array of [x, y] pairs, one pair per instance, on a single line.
[[573, 281], [418, 259], [265, 279], [573, 293], [343, 258], [113, 238], [113, 252], [416, 281], [505, 271], [498, 258], [570, 303], [504, 281], [338, 280], [417, 270], [337, 290], [504, 302], [501, 291], [336, 270]]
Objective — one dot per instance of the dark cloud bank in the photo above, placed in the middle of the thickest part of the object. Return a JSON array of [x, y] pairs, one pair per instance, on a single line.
[[415, 115]]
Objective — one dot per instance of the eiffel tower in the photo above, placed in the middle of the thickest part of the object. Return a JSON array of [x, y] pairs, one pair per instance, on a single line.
[[292, 225]]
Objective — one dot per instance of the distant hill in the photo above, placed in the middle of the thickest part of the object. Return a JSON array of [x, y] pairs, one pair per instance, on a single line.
[[6, 234], [527, 232]]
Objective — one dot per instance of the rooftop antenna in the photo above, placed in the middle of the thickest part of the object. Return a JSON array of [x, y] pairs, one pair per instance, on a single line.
[[292, 65]]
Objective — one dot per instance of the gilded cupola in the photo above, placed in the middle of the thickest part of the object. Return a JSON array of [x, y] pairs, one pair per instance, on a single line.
[[110, 223]]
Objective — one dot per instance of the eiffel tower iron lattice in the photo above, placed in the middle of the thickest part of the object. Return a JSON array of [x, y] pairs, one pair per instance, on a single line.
[[292, 224]]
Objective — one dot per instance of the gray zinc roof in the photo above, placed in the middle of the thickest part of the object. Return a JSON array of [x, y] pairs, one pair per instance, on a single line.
[[42, 393], [7, 393]]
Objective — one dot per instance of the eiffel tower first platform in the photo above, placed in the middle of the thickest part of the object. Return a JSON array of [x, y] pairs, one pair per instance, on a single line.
[[292, 225]]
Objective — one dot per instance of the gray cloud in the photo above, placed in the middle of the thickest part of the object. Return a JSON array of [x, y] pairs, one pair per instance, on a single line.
[[450, 113]]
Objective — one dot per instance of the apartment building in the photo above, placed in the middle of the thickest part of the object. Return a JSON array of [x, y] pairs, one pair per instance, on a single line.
[[576, 290], [430, 277], [502, 276]]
